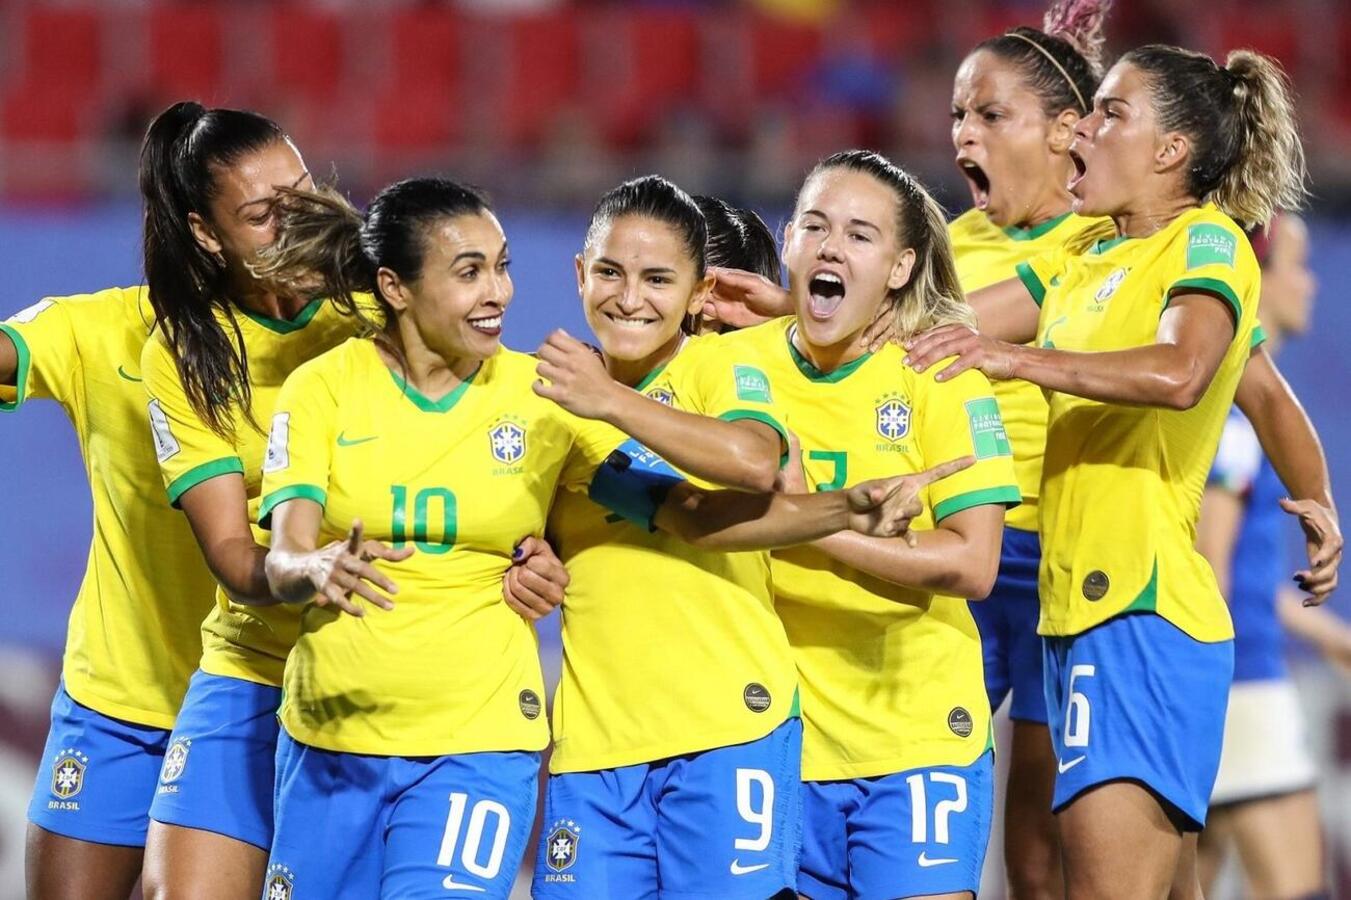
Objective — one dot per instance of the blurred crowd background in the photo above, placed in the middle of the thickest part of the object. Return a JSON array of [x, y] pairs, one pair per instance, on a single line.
[[546, 103]]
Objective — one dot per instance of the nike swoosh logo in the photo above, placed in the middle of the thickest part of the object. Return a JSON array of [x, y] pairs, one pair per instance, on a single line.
[[451, 884], [123, 372], [344, 441], [1066, 766], [925, 862], [739, 869]]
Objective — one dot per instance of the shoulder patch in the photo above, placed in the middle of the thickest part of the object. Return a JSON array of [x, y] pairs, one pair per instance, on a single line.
[[1209, 244], [751, 384], [988, 436], [24, 316], [278, 456], [166, 445]]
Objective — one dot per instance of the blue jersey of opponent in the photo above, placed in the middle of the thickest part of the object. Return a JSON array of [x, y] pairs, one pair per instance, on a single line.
[[1258, 567]]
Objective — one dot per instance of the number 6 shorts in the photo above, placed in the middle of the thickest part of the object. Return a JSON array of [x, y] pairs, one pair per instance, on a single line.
[[354, 827], [1136, 699], [721, 824]]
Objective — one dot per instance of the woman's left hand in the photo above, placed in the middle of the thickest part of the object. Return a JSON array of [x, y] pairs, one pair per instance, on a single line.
[[972, 349], [574, 377]]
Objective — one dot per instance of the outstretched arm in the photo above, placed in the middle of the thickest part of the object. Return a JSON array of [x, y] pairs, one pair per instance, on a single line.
[[297, 571], [1173, 372], [1291, 443], [217, 510]]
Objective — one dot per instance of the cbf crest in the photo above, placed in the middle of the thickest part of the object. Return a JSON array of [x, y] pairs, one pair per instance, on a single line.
[[893, 418], [1110, 286], [663, 396], [280, 884], [175, 761], [68, 773], [562, 845], [507, 440]]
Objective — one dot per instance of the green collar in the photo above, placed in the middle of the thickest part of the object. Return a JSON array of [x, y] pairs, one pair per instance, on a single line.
[[651, 376], [422, 402], [805, 366], [1036, 231], [287, 326], [1103, 246]]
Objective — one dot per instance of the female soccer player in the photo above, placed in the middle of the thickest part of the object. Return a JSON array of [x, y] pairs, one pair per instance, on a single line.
[[1263, 805], [676, 740], [134, 635], [1141, 341], [223, 346], [1015, 102], [412, 734]]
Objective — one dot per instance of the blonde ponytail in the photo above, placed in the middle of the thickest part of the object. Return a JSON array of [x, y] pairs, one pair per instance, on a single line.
[[933, 296], [1270, 172]]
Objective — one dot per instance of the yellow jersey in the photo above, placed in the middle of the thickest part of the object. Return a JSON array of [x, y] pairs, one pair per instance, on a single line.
[[451, 669], [1122, 485], [690, 656], [134, 634], [891, 677], [237, 641], [986, 254]]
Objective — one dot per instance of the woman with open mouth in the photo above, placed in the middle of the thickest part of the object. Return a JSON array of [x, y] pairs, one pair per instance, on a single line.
[[1140, 342], [411, 728], [1015, 102]]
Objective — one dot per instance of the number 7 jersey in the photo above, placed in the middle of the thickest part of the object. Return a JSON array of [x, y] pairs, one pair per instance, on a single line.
[[891, 677]]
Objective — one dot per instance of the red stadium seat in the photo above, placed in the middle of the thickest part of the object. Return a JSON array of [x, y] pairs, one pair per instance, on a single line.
[[781, 53], [425, 49], [653, 59], [414, 121], [187, 51], [50, 112], [307, 52], [543, 71], [63, 46], [1272, 33]]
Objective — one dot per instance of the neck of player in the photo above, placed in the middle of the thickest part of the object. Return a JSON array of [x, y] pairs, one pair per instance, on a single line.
[[631, 372], [429, 372]]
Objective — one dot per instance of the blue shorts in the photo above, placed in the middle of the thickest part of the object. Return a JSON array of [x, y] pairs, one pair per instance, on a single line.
[[721, 824], [1007, 620], [97, 775], [221, 762], [909, 834], [354, 827], [1137, 699]]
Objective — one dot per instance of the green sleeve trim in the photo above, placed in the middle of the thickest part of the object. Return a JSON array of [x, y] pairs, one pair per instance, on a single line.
[[1007, 495], [230, 465], [1031, 282], [1213, 286], [21, 372], [290, 492], [1259, 337], [735, 415]]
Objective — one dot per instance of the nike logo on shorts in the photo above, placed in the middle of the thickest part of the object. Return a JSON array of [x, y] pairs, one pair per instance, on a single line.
[[450, 884], [1066, 766], [739, 869], [925, 862]]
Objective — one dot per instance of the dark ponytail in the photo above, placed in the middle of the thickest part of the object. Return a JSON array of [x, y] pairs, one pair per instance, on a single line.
[[739, 239], [184, 149]]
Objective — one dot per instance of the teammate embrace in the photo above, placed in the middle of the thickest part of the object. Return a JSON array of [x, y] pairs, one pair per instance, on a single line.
[[770, 509]]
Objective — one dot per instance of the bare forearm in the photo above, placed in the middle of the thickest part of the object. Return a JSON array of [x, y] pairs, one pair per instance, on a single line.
[[721, 452], [732, 520], [239, 565], [1287, 434], [941, 561], [1006, 311], [1157, 375]]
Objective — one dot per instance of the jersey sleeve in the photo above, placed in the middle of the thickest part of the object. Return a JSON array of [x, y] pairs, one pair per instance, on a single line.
[[960, 418], [1040, 272], [1238, 458], [300, 442], [44, 335], [713, 379], [189, 452], [1211, 259]]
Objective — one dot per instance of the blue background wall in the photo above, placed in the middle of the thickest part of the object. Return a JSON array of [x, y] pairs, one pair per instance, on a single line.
[[44, 505]]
